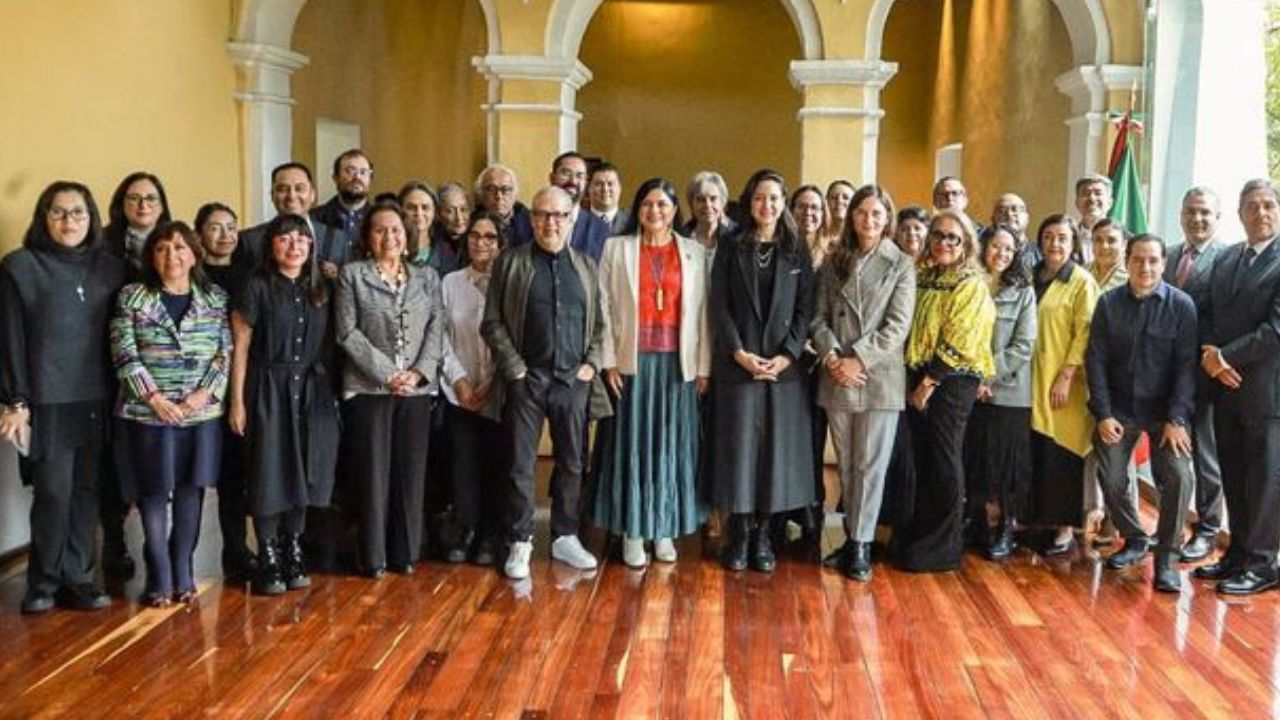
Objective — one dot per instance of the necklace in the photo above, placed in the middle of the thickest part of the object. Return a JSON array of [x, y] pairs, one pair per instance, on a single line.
[[764, 254], [657, 268]]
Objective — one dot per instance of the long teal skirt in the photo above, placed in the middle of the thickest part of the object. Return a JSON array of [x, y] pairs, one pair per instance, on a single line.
[[646, 480]]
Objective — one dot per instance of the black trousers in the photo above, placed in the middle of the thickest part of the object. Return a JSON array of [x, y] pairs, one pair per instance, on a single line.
[[389, 468], [1249, 454], [64, 517], [480, 452], [931, 540], [529, 401], [233, 510]]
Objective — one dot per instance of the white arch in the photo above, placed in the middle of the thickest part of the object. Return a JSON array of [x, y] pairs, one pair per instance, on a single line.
[[1085, 20], [568, 20], [271, 22]]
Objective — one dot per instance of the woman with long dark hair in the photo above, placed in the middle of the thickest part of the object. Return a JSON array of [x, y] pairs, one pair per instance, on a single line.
[[171, 346], [657, 358], [760, 304], [138, 205], [282, 399], [56, 295]]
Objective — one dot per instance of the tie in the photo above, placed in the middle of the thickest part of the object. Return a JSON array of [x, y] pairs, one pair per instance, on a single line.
[[1250, 255], [1187, 262]]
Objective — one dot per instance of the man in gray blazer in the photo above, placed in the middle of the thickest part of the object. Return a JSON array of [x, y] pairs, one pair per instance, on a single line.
[[543, 322], [1188, 268], [1240, 351]]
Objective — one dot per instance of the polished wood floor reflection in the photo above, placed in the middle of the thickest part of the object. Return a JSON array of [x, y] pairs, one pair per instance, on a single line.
[[1021, 639]]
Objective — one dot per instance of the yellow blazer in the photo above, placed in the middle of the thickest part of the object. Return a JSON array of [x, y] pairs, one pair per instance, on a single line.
[[1063, 317]]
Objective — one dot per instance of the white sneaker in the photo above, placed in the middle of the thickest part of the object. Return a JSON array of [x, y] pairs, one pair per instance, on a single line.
[[568, 550], [633, 552], [517, 566], [664, 550]]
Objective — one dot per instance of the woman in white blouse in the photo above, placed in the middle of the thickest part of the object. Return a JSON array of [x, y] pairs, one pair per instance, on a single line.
[[478, 451]]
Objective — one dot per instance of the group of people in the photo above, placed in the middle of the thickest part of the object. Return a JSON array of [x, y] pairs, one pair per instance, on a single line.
[[387, 350]]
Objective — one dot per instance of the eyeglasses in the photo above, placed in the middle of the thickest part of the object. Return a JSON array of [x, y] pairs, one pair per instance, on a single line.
[[350, 171], [498, 190], [77, 215], [293, 239], [136, 199], [951, 239], [483, 237], [546, 216]]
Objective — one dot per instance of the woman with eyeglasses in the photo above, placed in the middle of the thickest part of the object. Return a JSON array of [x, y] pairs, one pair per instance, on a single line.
[[171, 346], [948, 356], [657, 358], [56, 295], [760, 304], [389, 323], [478, 449]]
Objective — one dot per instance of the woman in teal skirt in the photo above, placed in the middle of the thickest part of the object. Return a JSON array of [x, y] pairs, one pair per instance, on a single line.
[[657, 358]]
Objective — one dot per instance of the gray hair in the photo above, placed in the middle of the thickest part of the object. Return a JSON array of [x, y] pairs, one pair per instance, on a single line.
[[1259, 184], [1091, 179], [515, 182], [1206, 192], [707, 177]]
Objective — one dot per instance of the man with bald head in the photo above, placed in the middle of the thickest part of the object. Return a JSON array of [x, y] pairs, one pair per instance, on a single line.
[[1011, 212], [542, 321]]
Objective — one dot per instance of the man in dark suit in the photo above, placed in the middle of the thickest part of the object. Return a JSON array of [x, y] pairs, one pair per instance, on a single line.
[[604, 190], [337, 222], [1190, 263], [569, 173], [1240, 350], [293, 192], [496, 191]]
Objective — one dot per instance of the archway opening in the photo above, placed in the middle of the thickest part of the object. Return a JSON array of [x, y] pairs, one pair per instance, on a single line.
[[663, 104], [979, 73]]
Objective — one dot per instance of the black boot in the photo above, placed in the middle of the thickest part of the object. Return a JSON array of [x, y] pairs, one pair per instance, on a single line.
[[1001, 544], [762, 557], [735, 546], [268, 580], [1164, 575], [293, 568], [858, 562]]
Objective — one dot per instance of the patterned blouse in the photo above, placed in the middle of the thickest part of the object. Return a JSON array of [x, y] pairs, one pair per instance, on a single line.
[[953, 323]]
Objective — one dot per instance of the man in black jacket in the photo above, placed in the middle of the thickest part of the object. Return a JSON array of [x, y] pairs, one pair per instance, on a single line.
[[337, 222]]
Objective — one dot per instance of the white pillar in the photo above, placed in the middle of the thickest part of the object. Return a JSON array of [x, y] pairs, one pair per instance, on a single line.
[[546, 86], [1208, 124], [840, 119], [266, 119], [1091, 89]]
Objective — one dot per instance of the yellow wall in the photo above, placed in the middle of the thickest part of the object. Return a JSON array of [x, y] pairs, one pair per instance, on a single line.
[[681, 87], [993, 91], [401, 69], [95, 89]]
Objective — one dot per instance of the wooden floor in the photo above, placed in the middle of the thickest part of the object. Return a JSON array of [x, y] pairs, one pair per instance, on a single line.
[[1022, 639]]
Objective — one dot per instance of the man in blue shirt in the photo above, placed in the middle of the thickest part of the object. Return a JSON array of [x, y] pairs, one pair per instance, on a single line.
[[1141, 367]]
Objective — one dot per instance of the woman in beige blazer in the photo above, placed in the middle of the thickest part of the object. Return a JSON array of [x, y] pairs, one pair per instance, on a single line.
[[866, 297], [656, 358]]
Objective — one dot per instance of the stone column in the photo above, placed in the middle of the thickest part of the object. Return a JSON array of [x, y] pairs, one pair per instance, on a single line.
[[840, 119], [266, 119], [1095, 91], [531, 112]]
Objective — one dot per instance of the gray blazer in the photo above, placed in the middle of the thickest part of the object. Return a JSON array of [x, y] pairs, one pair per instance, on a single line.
[[866, 314], [1011, 344], [368, 322]]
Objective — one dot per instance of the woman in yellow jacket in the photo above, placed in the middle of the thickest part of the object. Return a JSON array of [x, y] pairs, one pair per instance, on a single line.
[[1061, 425]]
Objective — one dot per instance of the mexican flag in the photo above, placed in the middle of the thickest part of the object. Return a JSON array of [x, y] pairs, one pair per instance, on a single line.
[[1126, 189]]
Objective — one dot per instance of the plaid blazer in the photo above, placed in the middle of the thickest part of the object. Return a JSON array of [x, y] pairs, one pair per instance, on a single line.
[[150, 352]]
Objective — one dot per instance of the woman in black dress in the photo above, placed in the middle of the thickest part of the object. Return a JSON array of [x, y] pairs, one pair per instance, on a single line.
[[56, 294], [282, 399], [760, 304]]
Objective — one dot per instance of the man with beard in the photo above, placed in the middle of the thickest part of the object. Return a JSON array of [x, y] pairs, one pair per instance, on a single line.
[[1240, 351], [496, 192], [1190, 263], [603, 189], [588, 231], [1093, 202], [293, 192], [337, 222]]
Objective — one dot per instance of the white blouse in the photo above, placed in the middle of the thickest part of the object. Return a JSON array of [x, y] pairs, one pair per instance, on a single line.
[[466, 355]]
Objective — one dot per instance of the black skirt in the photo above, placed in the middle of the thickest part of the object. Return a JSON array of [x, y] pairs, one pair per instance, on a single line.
[[997, 460], [1057, 483]]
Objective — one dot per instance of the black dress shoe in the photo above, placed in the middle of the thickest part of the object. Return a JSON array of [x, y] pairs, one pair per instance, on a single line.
[[1165, 577], [457, 548], [836, 558], [1134, 550], [1060, 549], [377, 572], [1198, 547], [34, 603], [858, 562], [1248, 582], [1001, 544], [401, 568], [484, 552], [737, 544], [1220, 570], [83, 597], [763, 558]]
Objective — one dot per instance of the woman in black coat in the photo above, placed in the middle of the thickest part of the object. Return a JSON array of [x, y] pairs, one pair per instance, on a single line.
[[282, 399], [56, 296], [760, 304]]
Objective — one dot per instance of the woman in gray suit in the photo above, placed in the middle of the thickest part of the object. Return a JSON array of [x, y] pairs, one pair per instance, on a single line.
[[866, 296], [389, 322]]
